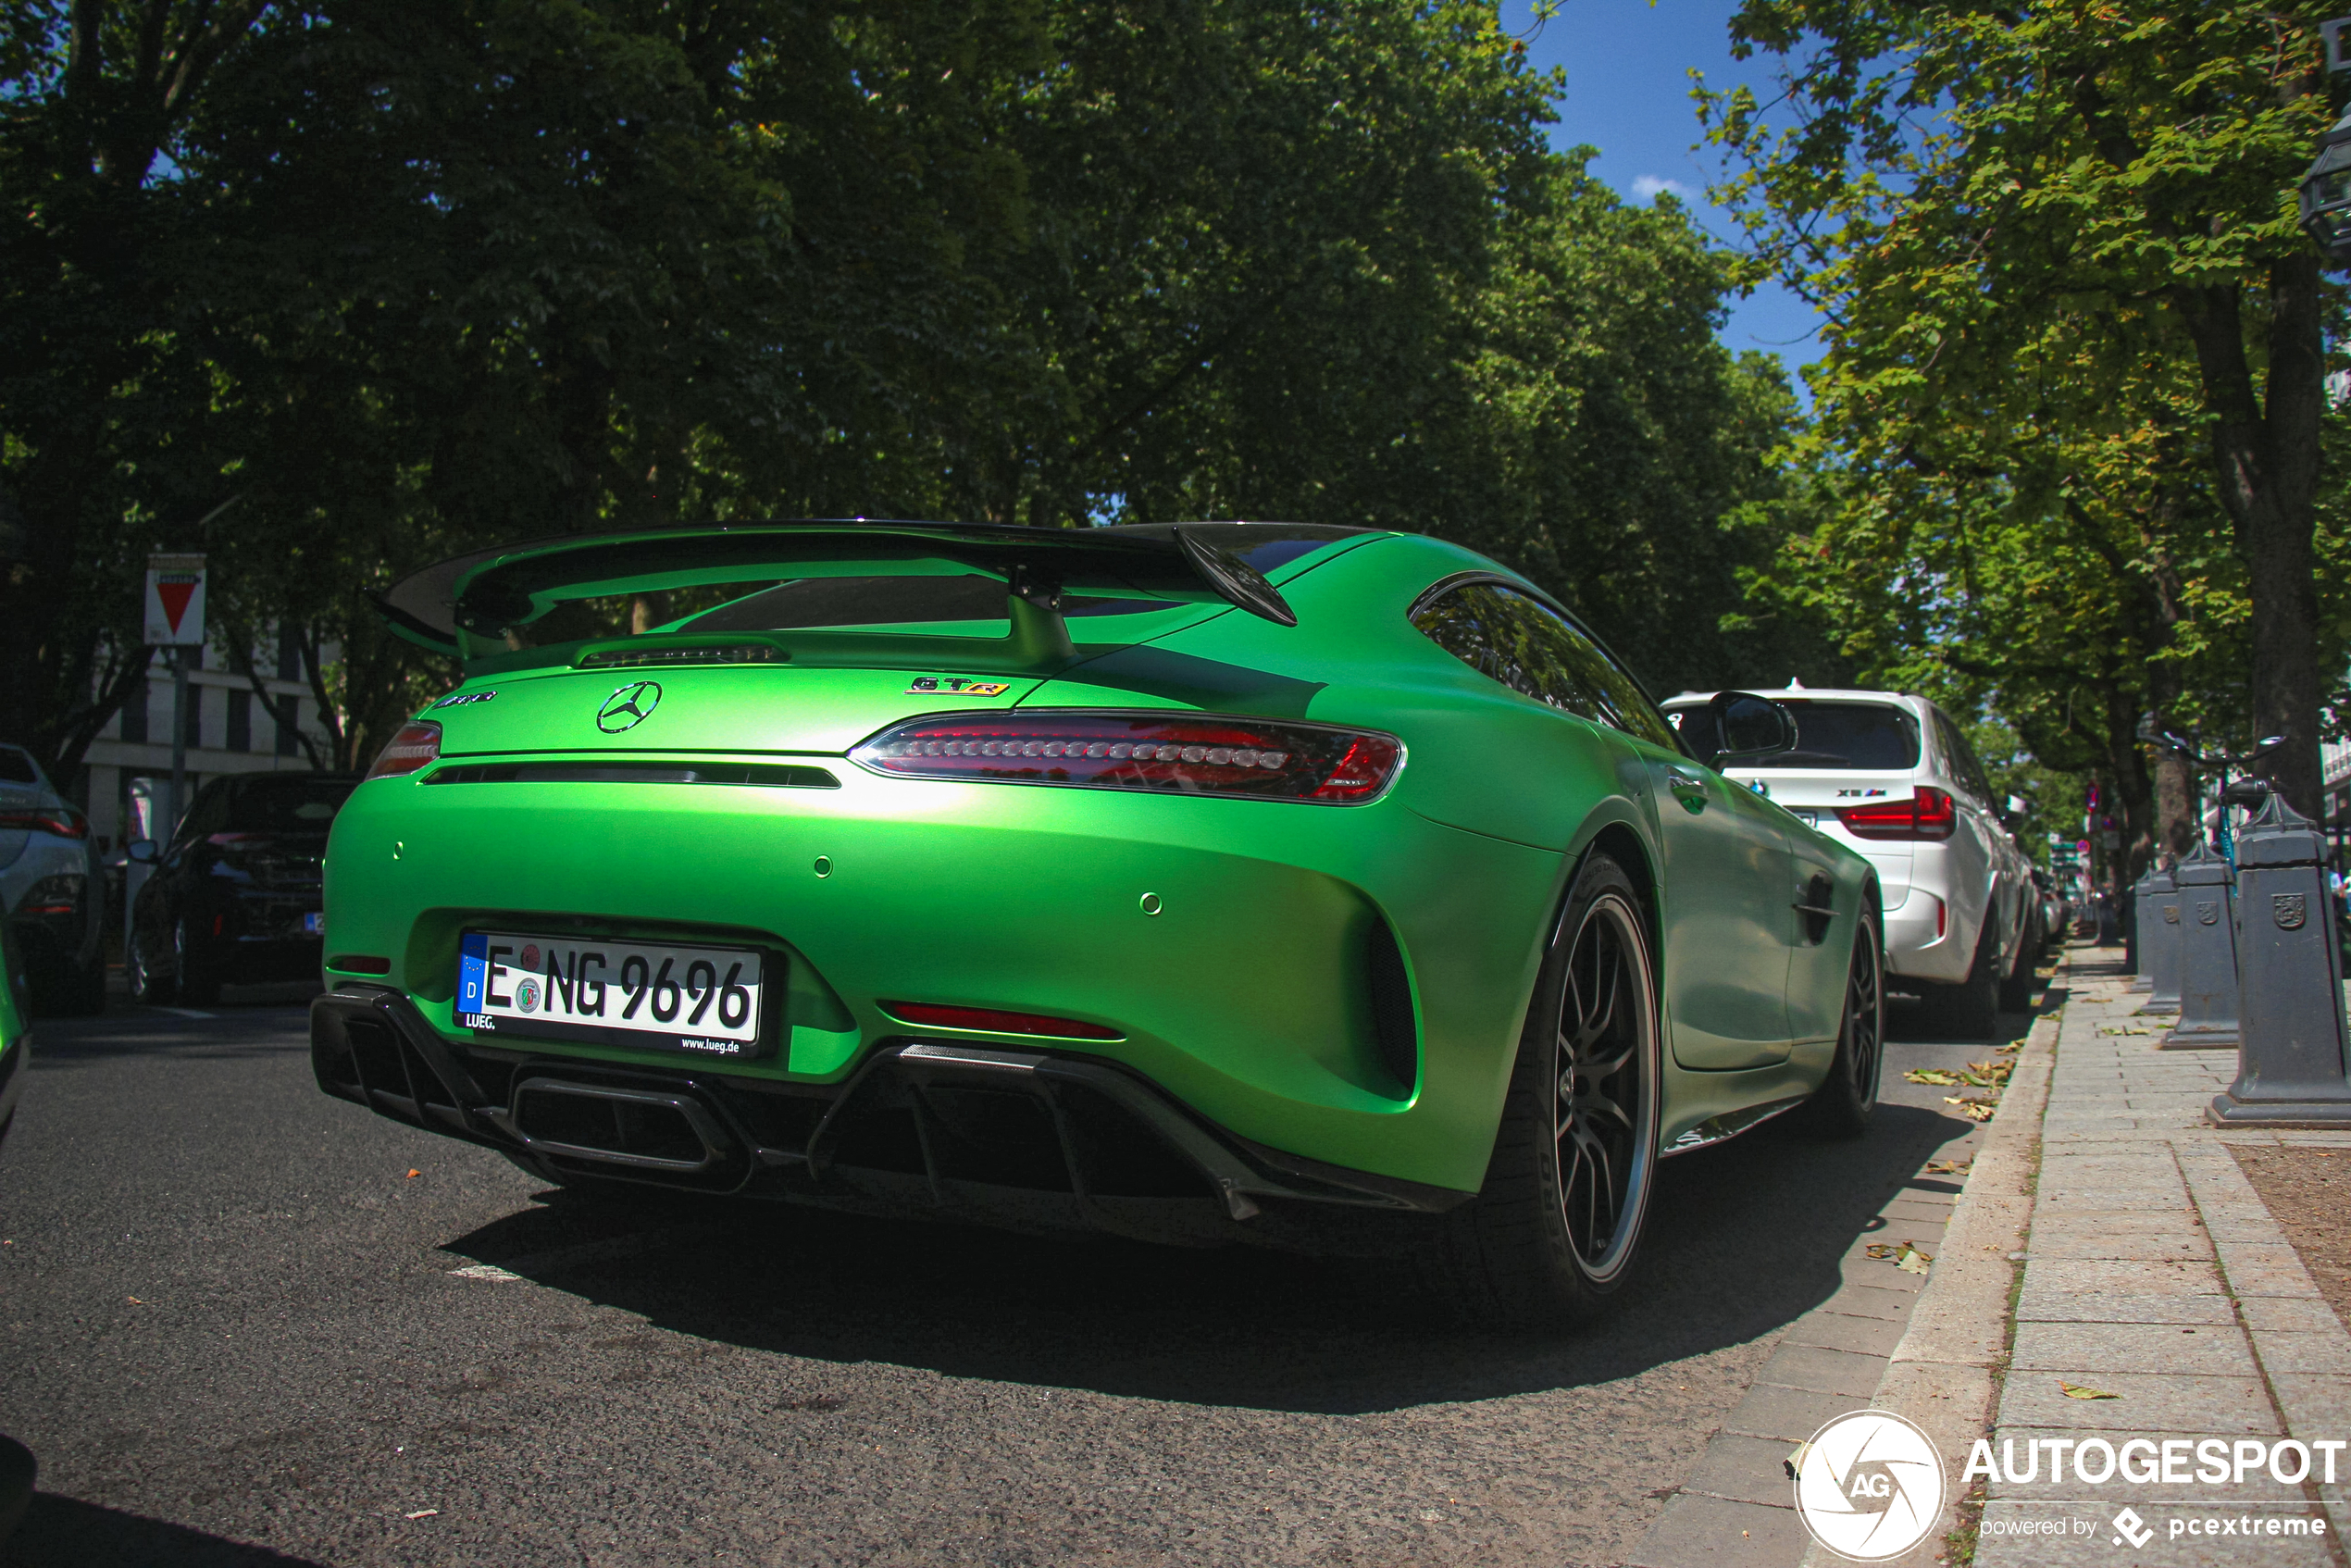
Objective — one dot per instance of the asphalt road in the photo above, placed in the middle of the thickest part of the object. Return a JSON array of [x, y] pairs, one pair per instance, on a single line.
[[240, 1329]]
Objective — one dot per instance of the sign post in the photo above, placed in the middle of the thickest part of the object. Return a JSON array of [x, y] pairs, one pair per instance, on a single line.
[[175, 620]]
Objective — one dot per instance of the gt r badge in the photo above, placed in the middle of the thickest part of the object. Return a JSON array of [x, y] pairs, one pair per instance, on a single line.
[[956, 686], [628, 707], [2289, 910], [461, 698]]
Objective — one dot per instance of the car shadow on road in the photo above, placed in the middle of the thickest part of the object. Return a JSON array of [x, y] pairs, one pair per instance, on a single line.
[[58, 1531], [127, 1030], [1742, 1238]]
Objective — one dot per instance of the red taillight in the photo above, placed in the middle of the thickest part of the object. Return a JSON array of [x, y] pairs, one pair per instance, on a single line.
[[64, 821], [993, 1021], [1188, 753], [414, 747], [1930, 814]]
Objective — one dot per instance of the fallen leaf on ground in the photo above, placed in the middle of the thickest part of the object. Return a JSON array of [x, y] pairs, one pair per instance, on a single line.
[[415, 1172], [1904, 1255], [1794, 1462], [1973, 1110], [421, 1513], [2076, 1391], [1993, 1072], [2013, 1045], [1948, 1167], [1941, 1075], [2133, 1029]]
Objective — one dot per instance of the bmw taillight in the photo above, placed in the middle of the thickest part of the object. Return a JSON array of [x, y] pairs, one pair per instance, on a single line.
[[1929, 814], [1183, 753], [416, 746], [63, 821]]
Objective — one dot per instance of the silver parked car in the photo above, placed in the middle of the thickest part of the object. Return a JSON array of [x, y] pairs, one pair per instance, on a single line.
[[50, 887], [1891, 776]]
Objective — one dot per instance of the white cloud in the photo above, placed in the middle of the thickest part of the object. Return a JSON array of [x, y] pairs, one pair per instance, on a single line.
[[1648, 187]]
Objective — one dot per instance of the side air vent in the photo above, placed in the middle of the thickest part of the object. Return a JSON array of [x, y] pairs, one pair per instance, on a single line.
[[770, 775], [1394, 1026]]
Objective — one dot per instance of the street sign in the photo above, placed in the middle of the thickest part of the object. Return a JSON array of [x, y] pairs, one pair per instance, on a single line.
[[175, 601]]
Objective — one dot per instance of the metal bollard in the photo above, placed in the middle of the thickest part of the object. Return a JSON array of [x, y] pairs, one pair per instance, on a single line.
[[2142, 916], [2160, 939], [2207, 954], [2291, 1068]]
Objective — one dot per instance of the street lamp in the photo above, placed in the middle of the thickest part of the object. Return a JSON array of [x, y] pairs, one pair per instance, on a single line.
[[2326, 185]]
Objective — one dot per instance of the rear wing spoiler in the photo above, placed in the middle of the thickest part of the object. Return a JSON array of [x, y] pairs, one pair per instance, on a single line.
[[466, 606]]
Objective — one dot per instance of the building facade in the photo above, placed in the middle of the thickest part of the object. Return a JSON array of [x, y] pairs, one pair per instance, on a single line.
[[230, 729]]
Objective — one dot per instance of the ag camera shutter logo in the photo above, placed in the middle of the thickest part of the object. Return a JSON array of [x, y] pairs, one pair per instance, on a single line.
[[1869, 1486]]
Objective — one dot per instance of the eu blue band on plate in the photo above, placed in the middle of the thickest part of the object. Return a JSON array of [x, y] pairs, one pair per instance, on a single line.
[[473, 970]]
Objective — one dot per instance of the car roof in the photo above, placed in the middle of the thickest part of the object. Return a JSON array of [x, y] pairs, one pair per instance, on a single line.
[[1807, 694]]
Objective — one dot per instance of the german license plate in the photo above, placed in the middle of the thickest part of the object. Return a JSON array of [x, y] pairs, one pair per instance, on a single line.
[[314, 923], [700, 1001]]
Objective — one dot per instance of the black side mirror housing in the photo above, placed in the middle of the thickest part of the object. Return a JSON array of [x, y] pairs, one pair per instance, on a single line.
[[1750, 727]]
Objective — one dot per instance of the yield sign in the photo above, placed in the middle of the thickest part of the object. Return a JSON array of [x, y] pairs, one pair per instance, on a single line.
[[175, 601]]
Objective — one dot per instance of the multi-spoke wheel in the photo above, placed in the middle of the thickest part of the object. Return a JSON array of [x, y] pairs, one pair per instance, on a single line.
[[1841, 1105], [1554, 1229], [1600, 1113]]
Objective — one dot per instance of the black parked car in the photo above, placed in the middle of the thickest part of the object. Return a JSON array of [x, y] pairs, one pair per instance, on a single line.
[[235, 898]]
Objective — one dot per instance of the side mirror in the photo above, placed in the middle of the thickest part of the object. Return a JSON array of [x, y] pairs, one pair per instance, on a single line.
[[1751, 728], [147, 851]]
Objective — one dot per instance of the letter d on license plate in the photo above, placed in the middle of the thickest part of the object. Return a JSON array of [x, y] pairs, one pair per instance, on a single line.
[[650, 996]]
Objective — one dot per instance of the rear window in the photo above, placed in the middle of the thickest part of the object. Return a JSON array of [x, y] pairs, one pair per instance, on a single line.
[[286, 804], [1866, 737], [16, 767], [887, 601]]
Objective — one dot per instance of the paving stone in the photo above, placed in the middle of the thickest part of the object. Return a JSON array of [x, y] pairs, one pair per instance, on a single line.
[[2258, 1268], [1713, 1531], [2137, 1220], [2316, 1405], [2064, 1240], [2133, 1346], [2323, 1352], [1824, 1371], [1789, 1415], [2222, 1407], [2142, 1277], [1869, 1301], [2288, 1314], [1746, 1470], [1842, 1331], [2039, 1305]]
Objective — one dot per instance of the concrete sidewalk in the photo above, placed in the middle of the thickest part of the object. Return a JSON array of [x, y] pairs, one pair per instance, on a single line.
[[2155, 1283]]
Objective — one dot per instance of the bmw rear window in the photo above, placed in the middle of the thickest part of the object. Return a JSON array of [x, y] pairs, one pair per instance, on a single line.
[[1867, 737], [286, 804]]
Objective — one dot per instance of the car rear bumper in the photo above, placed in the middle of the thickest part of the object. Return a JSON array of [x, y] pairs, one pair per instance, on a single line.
[[1231, 945], [1040, 1140]]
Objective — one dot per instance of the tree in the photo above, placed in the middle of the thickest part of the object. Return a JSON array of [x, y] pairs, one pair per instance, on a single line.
[[1961, 177]]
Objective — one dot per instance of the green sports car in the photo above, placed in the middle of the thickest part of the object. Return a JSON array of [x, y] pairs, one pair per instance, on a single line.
[[1321, 887]]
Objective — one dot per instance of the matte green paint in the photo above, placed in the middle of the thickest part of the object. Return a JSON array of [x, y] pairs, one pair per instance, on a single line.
[[1245, 996]]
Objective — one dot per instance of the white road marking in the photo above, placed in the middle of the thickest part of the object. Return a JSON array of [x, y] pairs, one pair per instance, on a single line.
[[184, 1013], [482, 1271]]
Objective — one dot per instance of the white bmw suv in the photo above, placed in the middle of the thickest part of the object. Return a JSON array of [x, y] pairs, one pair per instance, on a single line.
[[1891, 776]]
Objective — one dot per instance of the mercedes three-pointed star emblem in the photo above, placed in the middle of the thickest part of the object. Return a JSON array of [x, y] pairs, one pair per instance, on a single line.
[[628, 707]]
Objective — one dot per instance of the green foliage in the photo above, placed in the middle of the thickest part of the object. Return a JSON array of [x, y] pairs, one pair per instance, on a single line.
[[331, 289], [2066, 452]]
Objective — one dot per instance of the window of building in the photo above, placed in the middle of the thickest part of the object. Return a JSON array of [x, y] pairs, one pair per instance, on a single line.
[[289, 722], [240, 721], [134, 713]]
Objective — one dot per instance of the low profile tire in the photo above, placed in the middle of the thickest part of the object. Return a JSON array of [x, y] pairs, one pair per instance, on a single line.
[[1553, 1232], [151, 985], [1841, 1106], [1971, 1010], [2016, 988], [199, 969]]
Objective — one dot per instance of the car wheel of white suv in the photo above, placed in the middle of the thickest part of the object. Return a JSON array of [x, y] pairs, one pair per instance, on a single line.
[[1971, 1010]]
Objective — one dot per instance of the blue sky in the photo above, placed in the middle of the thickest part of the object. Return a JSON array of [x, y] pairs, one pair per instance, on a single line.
[[1628, 93]]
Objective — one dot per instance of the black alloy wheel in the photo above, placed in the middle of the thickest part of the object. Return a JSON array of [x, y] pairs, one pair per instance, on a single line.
[[1602, 1118], [1553, 1230], [150, 986], [1841, 1106]]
